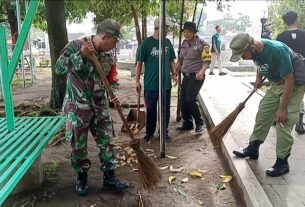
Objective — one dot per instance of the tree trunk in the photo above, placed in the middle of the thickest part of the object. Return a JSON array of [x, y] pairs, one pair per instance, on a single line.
[[58, 38], [144, 28], [136, 22], [12, 20]]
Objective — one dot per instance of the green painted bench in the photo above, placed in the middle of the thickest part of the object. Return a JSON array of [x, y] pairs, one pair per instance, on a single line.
[[20, 148]]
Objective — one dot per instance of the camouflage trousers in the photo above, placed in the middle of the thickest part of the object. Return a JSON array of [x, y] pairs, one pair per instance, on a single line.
[[100, 125]]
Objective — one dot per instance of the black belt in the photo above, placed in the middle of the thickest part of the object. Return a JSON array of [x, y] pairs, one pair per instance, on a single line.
[[189, 74]]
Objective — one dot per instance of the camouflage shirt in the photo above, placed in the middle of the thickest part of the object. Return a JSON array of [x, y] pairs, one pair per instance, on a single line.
[[85, 89]]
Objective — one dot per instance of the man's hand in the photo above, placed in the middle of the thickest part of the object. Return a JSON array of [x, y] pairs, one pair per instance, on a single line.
[[86, 49], [282, 116], [175, 79], [258, 83], [138, 86], [115, 100], [200, 75]]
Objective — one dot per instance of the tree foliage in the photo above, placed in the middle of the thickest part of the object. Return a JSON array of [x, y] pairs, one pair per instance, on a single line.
[[234, 24], [278, 7]]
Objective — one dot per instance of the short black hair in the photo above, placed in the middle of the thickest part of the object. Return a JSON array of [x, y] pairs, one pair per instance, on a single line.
[[217, 27], [290, 17]]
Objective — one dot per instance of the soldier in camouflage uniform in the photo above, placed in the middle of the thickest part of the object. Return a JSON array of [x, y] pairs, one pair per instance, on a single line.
[[86, 102]]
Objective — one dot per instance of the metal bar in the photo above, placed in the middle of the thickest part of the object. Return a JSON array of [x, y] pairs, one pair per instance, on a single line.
[[178, 112], [6, 86], [22, 57], [12, 145], [8, 138], [199, 20], [8, 188], [30, 49], [22, 37], [195, 10], [163, 130]]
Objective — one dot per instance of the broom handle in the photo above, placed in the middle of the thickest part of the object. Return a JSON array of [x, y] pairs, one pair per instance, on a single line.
[[101, 72], [138, 107], [254, 90]]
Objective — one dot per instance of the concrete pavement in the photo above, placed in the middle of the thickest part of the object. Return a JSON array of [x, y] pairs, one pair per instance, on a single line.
[[219, 96]]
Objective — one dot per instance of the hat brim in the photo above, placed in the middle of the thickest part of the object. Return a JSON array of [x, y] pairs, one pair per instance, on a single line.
[[194, 31], [235, 57]]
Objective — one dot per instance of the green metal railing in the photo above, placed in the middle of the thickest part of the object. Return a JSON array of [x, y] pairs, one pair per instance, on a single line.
[[8, 68]]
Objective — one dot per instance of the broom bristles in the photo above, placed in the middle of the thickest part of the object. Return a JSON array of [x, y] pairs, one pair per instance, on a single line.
[[218, 132], [150, 174]]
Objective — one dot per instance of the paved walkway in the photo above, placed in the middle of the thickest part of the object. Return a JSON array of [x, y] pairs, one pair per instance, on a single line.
[[219, 96]]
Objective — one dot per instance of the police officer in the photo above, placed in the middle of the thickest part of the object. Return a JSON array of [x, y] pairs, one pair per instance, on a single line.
[[193, 68]]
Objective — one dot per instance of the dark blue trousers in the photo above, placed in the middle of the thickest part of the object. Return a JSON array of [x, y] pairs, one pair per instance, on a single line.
[[151, 103], [190, 88]]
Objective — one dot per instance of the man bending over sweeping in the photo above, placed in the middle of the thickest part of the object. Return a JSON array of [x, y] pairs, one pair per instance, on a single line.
[[281, 101], [86, 103]]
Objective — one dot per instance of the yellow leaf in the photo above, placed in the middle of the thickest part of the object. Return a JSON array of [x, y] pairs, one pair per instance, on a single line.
[[149, 150], [184, 180], [226, 178], [171, 178], [172, 169], [200, 202], [170, 157], [202, 171], [196, 174], [164, 167], [149, 155]]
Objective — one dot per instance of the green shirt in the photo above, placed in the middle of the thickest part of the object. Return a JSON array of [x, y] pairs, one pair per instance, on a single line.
[[274, 62], [149, 55], [216, 40]]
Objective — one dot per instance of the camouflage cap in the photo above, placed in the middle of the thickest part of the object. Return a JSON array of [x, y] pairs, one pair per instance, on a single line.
[[111, 27], [239, 44]]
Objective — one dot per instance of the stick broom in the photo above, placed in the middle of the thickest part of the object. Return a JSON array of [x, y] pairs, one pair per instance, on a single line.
[[219, 131], [149, 173]]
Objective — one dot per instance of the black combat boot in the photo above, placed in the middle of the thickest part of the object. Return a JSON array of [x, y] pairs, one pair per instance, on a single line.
[[280, 167], [113, 183], [250, 151], [299, 127], [81, 186]]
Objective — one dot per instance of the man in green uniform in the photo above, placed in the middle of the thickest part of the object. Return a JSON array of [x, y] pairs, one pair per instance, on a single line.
[[281, 101], [216, 51], [86, 102]]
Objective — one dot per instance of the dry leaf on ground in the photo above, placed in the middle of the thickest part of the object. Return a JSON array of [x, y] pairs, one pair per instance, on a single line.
[[149, 150], [184, 180], [170, 157], [164, 167], [226, 178], [196, 174], [171, 178], [176, 170]]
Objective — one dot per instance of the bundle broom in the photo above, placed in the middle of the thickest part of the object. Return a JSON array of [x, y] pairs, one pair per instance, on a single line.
[[218, 132], [149, 173]]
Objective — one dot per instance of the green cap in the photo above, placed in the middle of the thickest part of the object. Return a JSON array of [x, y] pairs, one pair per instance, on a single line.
[[111, 27], [239, 44]]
